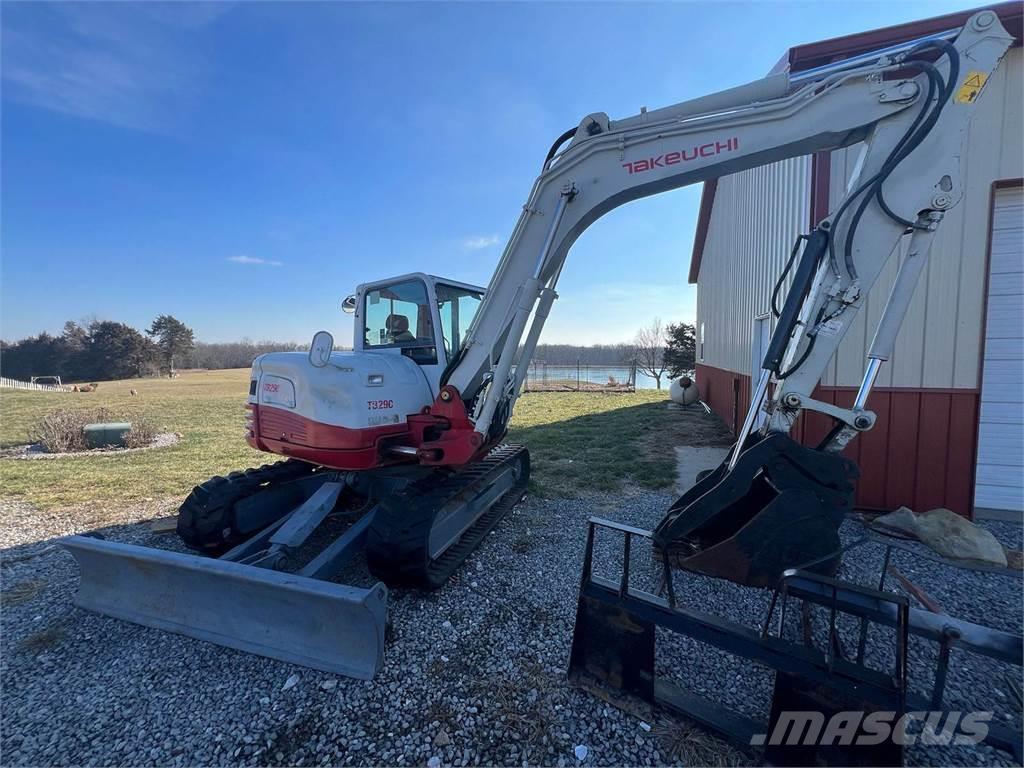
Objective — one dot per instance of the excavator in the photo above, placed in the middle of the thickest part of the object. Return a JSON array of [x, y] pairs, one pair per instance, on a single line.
[[394, 451]]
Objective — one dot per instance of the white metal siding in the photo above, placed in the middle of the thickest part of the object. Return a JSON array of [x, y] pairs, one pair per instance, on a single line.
[[757, 214], [1000, 475]]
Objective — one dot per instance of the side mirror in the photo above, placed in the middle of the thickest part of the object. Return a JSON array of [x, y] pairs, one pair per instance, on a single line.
[[321, 348], [348, 306]]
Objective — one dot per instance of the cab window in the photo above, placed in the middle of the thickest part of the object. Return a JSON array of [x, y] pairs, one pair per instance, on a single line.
[[399, 316], [457, 307]]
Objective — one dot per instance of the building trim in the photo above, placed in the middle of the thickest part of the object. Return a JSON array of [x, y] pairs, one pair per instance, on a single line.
[[811, 55], [821, 186], [707, 202]]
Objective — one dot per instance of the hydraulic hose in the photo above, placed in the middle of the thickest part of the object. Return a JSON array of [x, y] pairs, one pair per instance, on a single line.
[[555, 147]]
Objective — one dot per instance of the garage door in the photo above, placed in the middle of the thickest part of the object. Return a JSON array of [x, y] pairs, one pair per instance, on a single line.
[[1000, 477]]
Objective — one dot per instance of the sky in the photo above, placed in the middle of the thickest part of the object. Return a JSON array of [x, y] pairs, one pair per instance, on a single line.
[[244, 166]]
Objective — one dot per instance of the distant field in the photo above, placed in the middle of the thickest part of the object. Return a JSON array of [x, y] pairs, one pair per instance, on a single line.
[[578, 441]]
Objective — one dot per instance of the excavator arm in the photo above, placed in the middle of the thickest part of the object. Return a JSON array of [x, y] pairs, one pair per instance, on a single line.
[[773, 504], [910, 106]]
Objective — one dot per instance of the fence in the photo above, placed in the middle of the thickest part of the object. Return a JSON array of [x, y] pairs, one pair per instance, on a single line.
[[15, 384], [541, 377]]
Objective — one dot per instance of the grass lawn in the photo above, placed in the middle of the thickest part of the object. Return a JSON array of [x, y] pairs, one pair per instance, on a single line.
[[578, 440]]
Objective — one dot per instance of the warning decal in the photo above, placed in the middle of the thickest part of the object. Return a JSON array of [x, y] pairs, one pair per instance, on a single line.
[[970, 88]]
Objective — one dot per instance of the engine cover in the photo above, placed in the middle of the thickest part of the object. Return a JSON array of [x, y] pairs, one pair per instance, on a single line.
[[337, 415]]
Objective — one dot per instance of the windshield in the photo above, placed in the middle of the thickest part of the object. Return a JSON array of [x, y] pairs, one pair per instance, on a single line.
[[457, 307], [398, 314]]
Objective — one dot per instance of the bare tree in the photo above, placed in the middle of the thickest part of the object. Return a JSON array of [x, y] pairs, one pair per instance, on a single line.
[[649, 351]]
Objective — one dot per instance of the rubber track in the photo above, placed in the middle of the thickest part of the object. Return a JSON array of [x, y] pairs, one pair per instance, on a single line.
[[396, 543], [209, 509]]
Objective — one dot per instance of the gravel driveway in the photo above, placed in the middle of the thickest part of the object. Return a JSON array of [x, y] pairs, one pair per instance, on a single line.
[[474, 674]]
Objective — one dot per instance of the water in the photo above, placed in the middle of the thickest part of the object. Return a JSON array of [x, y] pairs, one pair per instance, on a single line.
[[590, 374]]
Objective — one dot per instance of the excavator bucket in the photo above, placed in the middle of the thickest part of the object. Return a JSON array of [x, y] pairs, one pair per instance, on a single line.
[[779, 507], [285, 616]]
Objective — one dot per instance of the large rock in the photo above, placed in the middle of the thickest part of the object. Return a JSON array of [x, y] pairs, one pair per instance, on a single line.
[[949, 534], [903, 520]]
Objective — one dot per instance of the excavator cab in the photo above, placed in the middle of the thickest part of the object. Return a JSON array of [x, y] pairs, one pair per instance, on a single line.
[[419, 316]]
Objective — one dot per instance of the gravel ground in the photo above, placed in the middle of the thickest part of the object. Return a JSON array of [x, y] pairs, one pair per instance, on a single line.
[[473, 674]]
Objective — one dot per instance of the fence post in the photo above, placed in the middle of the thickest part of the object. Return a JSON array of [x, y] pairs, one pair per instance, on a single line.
[[577, 374]]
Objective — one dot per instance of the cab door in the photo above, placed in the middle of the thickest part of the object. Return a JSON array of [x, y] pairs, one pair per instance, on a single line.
[[401, 317]]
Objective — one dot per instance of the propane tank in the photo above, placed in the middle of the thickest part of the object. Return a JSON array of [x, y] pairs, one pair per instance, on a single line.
[[684, 391]]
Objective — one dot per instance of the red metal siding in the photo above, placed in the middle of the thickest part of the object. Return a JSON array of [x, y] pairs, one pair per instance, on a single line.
[[920, 453]]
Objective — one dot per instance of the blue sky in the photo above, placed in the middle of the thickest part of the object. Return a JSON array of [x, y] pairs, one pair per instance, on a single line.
[[244, 166]]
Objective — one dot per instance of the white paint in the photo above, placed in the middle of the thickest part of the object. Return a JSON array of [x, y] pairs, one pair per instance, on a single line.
[[340, 394]]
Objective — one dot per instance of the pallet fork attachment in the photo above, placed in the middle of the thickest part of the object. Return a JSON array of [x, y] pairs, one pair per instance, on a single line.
[[240, 601], [614, 657]]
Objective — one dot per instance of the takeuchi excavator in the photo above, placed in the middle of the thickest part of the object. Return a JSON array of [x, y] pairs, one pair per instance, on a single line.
[[401, 439]]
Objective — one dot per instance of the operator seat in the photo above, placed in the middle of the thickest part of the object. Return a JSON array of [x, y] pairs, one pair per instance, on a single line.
[[397, 327]]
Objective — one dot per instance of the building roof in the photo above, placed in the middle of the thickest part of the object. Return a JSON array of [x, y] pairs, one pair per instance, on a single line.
[[810, 55]]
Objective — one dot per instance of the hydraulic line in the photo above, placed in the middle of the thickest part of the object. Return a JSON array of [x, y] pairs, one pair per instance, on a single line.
[[915, 134], [785, 271], [555, 147]]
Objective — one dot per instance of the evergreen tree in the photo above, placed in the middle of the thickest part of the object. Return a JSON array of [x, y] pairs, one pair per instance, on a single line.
[[173, 337], [681, 349]]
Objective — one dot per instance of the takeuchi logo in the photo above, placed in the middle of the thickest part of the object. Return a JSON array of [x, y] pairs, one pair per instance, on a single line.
[[682, 156]]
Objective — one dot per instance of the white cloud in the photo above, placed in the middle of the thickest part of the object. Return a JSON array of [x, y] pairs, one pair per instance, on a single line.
[[479, 242], [255, 260], [134, 65]]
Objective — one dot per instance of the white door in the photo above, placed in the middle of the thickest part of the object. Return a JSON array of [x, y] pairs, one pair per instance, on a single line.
[[1000, 476]]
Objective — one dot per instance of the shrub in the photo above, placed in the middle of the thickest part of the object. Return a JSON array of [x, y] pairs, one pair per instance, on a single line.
[[60, 431], [141, 434]]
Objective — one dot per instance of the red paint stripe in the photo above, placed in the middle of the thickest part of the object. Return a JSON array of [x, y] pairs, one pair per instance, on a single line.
[[921, 452], [961, 453], [931, 469]]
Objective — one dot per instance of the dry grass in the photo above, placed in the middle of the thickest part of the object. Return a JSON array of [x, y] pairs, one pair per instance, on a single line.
[[22, 592], [208, 408], [684, 743], [531, 708], [578, 441], [44, 639]]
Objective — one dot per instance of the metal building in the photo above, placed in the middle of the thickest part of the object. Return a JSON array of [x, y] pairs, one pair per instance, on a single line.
[[950, 404]]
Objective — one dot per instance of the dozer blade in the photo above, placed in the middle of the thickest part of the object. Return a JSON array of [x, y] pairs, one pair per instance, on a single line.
[[780, 507], [304, 621]]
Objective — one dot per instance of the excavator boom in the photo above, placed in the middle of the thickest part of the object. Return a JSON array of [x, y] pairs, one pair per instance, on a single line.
[[401, 438]]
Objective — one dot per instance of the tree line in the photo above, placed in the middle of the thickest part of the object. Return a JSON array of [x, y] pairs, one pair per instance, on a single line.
[[104, 349], [656, 350], [100, 349]]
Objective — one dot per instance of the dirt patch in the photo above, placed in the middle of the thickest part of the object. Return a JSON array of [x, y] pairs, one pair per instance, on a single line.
[[37, 451]]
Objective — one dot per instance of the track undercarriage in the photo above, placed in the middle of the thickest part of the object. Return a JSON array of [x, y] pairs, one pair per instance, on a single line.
[[282, 534]]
